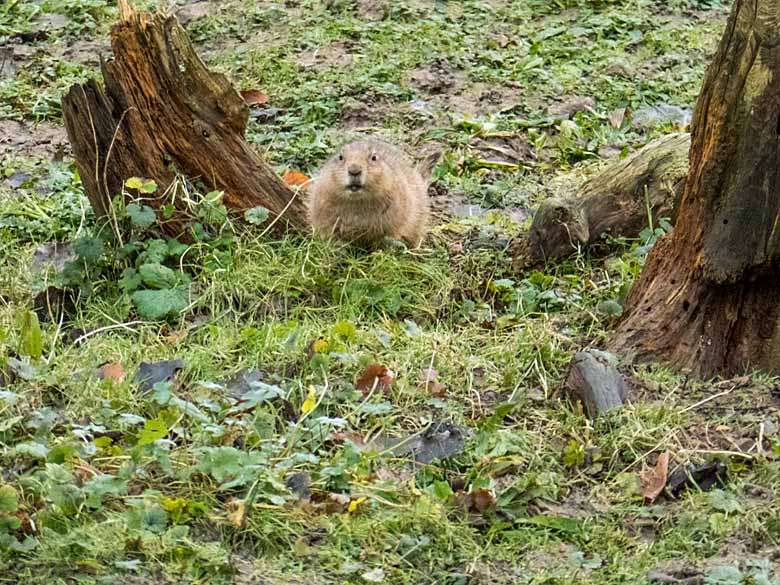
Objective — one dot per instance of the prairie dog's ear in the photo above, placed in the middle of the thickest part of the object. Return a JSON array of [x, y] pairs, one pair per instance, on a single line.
[[425, 166]]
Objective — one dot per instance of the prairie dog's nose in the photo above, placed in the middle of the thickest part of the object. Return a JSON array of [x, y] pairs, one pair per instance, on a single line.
[[354, 170]]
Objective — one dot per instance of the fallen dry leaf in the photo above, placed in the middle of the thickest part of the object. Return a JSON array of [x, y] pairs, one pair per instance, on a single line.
[[480, 500], [654, 480], [336, 503], [375, 376], [430, 383], [354, 438], [253, 97], [616, 117], [236, 514], [113, 372], [175, 338], [294, 178]]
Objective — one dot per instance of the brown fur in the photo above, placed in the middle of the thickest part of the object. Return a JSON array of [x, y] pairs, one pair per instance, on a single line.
[[387, 199]]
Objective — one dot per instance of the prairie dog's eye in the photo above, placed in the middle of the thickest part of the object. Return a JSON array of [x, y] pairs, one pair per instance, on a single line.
[[341, 157], [374, 157]]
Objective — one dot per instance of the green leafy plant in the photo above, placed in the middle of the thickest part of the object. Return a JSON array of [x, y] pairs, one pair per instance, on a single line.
[[131, 255]]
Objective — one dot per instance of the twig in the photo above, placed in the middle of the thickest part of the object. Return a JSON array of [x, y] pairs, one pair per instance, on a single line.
[[719, 452], [708, 399], [281, 213], [127, 326]]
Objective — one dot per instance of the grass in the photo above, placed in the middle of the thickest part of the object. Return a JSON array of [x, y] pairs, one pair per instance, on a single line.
[[103, 482]]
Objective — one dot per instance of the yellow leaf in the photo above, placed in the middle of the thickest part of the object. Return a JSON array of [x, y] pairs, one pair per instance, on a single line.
[[310, 402], [353, 505], [301, 547], [321, 346], [236, 515]]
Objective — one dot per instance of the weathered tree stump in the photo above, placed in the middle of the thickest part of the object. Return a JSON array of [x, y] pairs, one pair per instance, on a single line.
[[594, 380], [160, 113], [707, 299], [619, 201]]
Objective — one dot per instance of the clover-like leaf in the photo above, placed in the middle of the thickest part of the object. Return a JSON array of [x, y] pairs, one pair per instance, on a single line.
[[157, 304], [257, 215], [142, 216]]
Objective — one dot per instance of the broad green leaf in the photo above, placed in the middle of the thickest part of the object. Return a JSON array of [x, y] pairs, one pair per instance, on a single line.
[[724, 501], [558, 523], [411, 328], [573, 454], [130, 280], [157, 304], [142, 216], [9, 501], [156, 251], [149, 187], [153, 430], [724, 575], [32, 449], [89, 248], [257, 215], [30, 337], [442, 490], [158, 276], [9, 523], [345, 330]]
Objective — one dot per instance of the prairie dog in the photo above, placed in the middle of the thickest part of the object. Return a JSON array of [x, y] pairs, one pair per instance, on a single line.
[[368, 192]]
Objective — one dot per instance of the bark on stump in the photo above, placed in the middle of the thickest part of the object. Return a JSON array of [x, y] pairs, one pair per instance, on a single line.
[[615, 202], [160, 113], [707, 299]]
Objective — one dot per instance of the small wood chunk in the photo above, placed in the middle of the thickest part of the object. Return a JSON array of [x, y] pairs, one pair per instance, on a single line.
[[594, 380]]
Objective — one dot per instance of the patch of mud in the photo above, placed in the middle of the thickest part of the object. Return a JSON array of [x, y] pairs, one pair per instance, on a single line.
[[43, 141], [481, 99], [84, 51], [373, 9], [363, 115], [13, 56], [571, 105], [334, 55], [436, 78], [51, 21], [504, 149], [7, 63], [193, 11]]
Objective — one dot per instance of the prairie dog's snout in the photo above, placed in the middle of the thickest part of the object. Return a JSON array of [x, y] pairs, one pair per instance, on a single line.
[[354, 177]]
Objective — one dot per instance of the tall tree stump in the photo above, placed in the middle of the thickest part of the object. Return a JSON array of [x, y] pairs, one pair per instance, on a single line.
[[162, 112], [708, 299]]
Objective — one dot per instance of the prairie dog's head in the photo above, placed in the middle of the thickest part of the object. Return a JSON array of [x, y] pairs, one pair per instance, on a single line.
[[360, 169]]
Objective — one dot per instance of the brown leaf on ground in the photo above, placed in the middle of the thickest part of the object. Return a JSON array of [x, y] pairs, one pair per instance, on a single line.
[[480, 500], [616, 117], [375, 376], [430, 383], [253, 97], [355, 438], [175, 338], [113, 372], [654, 480], [237, 512], [294, 178]]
